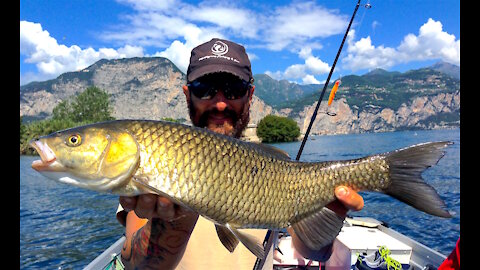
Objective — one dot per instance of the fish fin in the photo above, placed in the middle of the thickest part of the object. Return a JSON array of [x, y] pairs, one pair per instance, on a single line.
[[228, 239], [319, 229], [250, 242], [406, 167], [278, 153], [142, 183]]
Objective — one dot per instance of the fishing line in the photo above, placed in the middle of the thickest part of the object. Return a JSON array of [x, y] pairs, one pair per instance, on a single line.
[[366, 6]]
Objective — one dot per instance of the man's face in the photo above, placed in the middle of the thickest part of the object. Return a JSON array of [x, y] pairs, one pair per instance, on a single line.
[[220, 112]]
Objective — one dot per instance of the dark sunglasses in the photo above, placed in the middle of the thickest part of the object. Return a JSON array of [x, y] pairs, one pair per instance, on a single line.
[[207, 89]]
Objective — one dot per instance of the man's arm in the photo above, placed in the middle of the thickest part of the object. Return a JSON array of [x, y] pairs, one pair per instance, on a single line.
[[157, 232], [348, 199]]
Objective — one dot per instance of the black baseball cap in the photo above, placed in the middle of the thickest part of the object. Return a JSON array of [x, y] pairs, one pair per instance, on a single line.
[[219, 55]]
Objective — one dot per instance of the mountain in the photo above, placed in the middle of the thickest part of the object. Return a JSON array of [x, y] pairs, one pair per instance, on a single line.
[[151, 88], [139, 88], [447, 68], [380, 88], [275, 92]]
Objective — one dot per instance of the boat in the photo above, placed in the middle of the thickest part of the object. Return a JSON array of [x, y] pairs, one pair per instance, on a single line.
[[360, 236]]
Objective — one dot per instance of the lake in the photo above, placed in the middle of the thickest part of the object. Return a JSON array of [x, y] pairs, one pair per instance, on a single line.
[[65, 227]]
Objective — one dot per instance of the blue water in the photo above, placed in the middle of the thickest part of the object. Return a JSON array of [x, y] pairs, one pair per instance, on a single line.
[[67, 227]]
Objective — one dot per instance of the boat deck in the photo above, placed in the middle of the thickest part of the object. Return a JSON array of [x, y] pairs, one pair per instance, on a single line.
[[358, 235]]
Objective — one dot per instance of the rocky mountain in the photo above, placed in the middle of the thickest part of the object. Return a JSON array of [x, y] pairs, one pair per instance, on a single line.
[[380, 100], [151, 88], [447, 68], [140, 88], [425, 112], [275, 93]]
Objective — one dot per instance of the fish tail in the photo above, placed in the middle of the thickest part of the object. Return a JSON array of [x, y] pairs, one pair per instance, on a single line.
[[407, 185]]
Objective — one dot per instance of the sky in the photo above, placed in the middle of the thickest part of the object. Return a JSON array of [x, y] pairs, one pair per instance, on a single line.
[[292, 40]]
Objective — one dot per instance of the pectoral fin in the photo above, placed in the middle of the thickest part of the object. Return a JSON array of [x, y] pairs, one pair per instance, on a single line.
[[228, 239], [142, 183], [319, 229], [250, 242]]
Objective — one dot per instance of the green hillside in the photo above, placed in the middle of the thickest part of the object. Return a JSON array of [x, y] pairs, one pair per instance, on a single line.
[[376, 88]]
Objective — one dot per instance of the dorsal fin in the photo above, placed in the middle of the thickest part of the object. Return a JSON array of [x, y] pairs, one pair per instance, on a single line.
[[276, 152]]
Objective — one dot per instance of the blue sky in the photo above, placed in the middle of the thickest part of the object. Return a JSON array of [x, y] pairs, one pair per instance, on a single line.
[[292, 40]]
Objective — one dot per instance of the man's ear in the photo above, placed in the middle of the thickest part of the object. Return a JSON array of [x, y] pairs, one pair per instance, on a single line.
[[251, 93], [187, 93]]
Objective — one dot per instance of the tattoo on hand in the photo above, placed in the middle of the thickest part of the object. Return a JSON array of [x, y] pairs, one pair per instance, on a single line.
[[155, 241]]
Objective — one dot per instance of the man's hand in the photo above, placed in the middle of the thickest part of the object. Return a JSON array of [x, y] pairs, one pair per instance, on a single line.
[[348, 199], [151, 206], [157, 231]]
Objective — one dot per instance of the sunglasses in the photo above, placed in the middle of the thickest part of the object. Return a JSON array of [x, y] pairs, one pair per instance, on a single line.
[[207, 89]]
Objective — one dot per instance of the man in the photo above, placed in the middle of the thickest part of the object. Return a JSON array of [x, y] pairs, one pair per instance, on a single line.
[[163, 235]]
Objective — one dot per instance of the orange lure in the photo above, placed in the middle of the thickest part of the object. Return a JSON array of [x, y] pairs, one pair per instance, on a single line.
[[332, 93]]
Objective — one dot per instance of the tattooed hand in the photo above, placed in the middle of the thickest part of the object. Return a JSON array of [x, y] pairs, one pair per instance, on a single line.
[[157, 232]]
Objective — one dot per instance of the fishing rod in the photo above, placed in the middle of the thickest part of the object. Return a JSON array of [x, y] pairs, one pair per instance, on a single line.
[[268, 238], [305, 137]]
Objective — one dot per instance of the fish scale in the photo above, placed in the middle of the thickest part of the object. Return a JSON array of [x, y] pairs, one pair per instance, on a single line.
[[236, 184]]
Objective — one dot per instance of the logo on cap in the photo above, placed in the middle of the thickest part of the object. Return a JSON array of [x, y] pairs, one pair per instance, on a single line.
[[219, 48]]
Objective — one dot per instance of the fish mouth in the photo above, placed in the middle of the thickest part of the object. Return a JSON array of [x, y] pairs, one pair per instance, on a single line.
[[47, 157]]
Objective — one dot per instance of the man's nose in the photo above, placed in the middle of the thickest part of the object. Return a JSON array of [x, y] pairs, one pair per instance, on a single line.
[[220, 101]]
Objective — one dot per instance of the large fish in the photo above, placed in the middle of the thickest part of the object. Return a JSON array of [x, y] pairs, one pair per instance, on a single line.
[[235, 184]]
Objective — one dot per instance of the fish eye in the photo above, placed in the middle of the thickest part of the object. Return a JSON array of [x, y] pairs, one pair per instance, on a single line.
[[74, 140]]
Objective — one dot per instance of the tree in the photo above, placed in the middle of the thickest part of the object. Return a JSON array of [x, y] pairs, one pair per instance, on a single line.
[[22, 128], [62, 111], [274, 128], [90, 106]]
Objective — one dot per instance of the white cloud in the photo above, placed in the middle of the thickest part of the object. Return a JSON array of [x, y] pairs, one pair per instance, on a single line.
[[179, 27], [305, 72], [148, 5], [178, 53], [363, 55], [431, 43], [241, 21], [316, 66], [53, 59], [293, 26], [309, 79], [294, 71], [297, 24]]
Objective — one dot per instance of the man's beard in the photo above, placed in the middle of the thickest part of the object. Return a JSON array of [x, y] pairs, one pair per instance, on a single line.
[[240, 122]]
